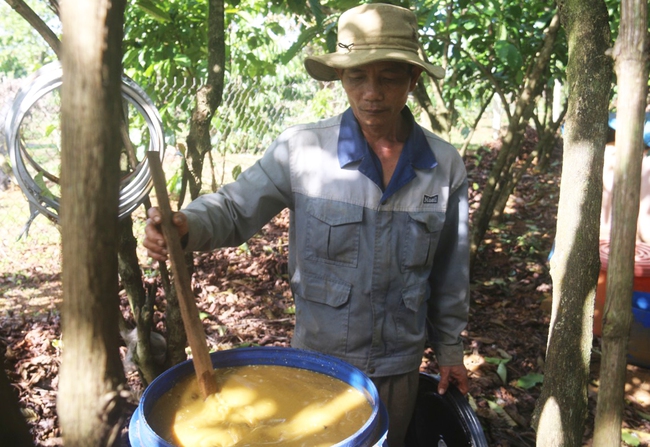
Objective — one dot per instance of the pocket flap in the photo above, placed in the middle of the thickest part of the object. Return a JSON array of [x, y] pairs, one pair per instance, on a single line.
[[432, 221], [335, 213], [414, 295], [329, 291]]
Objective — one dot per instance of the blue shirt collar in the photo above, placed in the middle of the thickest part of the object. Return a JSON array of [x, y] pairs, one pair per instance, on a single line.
[[354, 149]]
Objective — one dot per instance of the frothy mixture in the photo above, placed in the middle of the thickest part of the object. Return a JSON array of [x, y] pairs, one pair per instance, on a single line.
[[261, 405]]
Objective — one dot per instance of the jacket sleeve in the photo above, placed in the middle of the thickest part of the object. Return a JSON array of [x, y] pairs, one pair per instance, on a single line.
[[449, 280], [238, 210]]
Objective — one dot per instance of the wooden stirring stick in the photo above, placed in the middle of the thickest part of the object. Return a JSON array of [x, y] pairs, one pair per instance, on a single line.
[[182, 282]]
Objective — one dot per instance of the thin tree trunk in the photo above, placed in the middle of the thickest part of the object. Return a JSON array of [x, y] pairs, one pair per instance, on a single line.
[[561, 409], [548, 138], [546, 150], [91, 396], [140, 301], [468, 139], [523, 108], [631, 63], [208, 98], [422, 97]]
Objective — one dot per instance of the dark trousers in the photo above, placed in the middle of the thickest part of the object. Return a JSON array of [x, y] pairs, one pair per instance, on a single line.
[[398, 393]]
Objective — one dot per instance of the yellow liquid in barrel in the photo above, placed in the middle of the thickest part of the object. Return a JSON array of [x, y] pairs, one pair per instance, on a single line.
[[261, 405]]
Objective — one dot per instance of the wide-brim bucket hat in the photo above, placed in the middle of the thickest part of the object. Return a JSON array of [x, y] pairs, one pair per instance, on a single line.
[[373, 33]]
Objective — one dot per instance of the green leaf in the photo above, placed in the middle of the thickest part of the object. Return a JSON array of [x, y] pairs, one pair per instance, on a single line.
[[630, 438], [182, 60], [203, 315], [49, 129], [509, 54], [236, 171], [316, 9], [530, 380], [305, 36], [493, 360], [502, 371], [151, 8], [45, 191]]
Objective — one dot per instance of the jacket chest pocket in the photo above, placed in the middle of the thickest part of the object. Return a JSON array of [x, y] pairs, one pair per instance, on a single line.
[[333, 232], [420, 239]]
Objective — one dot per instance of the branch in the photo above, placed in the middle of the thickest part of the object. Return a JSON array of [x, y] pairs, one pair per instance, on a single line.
[[37, 23]]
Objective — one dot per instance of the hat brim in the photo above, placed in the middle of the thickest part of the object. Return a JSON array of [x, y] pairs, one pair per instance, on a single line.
[[323, 68]]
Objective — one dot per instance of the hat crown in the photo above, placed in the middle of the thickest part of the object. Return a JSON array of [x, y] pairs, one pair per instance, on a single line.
[[373, 33], [377, 26]]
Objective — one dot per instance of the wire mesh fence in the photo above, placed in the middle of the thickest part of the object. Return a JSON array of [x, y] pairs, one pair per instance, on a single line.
[[251, 115]]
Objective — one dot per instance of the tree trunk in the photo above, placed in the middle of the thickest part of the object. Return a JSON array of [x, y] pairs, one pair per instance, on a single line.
[[477, 120], [546, 149], [548, 137], [631, 59], [140, 301], [523, 109], [561, 409], [90, 402], [208, 98], [422, 97]]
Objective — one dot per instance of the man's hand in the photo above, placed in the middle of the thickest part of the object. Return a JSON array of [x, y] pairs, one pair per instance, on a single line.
[[154, 241], [457, 375]]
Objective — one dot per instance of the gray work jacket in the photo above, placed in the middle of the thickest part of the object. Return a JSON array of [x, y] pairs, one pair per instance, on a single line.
[[367, 271]]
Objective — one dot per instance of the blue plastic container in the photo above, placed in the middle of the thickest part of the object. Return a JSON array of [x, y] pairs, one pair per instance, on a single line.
[[373, 432], [638, 349]]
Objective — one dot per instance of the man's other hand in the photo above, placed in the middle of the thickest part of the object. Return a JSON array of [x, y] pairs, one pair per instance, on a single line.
[[154, 241], [457, 375]]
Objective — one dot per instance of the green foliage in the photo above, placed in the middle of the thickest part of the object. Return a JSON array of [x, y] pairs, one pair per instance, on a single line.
[[502, 371], [40, 182], [22, 49], [487, 44], [630, 438], [236, 172], [530, 380]]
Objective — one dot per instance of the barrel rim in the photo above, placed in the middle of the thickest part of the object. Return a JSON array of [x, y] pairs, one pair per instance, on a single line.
[[263, 355]]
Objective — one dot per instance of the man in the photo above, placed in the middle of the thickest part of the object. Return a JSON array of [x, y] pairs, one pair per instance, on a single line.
[[378, 238]]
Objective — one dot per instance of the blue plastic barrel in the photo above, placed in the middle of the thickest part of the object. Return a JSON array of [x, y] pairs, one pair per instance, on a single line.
[[372, 433], [638, 349]]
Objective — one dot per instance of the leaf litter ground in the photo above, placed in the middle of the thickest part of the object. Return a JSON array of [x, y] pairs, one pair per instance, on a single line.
[[244, 299]]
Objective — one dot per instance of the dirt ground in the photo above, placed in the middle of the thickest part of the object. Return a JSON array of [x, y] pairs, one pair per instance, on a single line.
[[244, 298]]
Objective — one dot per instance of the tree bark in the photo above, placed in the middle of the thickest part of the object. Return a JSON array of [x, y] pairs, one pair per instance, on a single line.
[[547, 138], [140, 301], [422, 97], [91, 395], [631, 63], [561, 409], [208, 98]]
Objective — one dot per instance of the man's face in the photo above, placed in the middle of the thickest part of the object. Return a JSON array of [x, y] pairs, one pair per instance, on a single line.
[[377, 92]]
